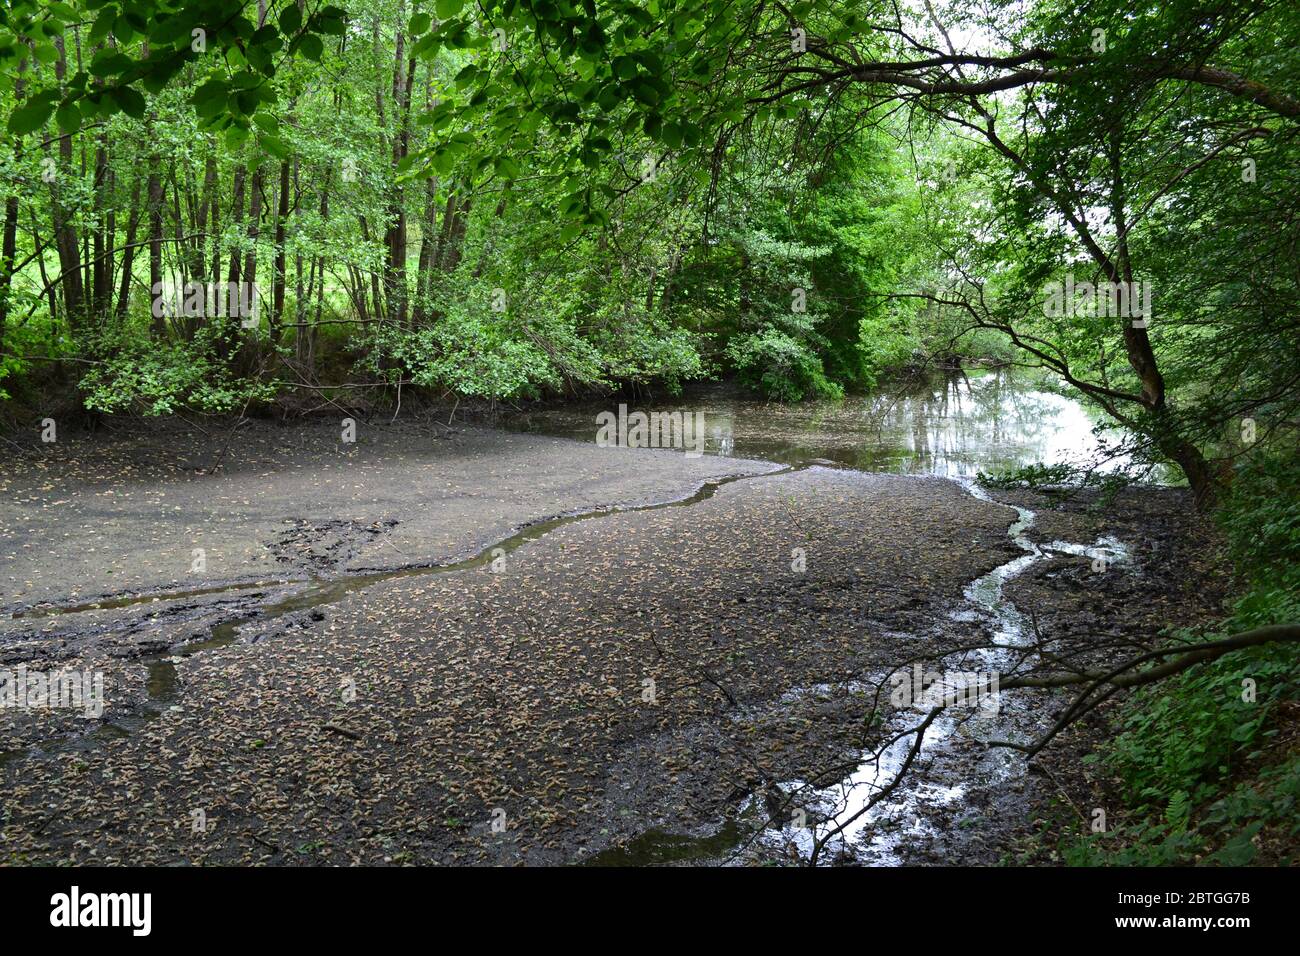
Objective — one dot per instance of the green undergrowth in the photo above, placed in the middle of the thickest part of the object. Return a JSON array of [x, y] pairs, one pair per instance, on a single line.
[[1206, 764]]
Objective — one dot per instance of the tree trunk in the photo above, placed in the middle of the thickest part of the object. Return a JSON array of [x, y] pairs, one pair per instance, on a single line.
[[278, 279], [8, 250], [254, 228], [237, 218], [65, 232], [155, 202], [9, 247], [128, 252], [428, 252]]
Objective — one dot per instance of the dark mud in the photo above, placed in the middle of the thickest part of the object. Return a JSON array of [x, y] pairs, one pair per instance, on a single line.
[[637, 686], [1176, 578]]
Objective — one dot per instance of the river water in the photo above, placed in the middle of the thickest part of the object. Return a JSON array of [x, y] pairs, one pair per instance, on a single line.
[[951, 425]]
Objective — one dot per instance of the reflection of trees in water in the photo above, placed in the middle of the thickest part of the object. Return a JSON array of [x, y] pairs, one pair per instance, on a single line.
[[949, 423]]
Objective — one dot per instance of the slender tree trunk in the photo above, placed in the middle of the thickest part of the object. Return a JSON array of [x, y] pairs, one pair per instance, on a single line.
[[374, 276], [8, 250], [9, 246], [395, 290], [448, 225], [201, 217], [249, 275], [487, 242], [155, 204], [428, 252], [278, 279], [1141, 356], [128, 252], [51, 288], [101, 287], [65, 232], [237, 219], [214, 228]]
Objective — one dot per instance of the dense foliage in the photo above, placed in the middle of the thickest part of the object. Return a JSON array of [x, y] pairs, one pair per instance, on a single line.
[[509, 198], [403, 224], [1207, 760]]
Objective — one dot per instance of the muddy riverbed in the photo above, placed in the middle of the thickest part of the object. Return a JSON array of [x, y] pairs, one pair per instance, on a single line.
[[451, 645]]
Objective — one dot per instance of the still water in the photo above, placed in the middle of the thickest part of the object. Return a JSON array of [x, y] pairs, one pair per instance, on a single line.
[[952, 425]]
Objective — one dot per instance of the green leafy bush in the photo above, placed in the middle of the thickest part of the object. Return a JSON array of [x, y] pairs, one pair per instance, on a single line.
[[1034, 475], [1184, 741], [469, 356], [780, 367], [132, 372]]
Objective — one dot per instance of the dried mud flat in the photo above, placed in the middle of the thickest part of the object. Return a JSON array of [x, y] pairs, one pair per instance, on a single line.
[[617, 688]]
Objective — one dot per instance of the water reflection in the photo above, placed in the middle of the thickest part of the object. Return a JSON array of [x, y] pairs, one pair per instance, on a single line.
[[952, 425]]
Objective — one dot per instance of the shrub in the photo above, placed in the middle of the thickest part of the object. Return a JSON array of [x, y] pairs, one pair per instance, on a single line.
[[780, 367]]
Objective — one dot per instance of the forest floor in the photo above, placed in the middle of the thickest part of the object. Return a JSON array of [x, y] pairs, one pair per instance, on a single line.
[[355, 675]]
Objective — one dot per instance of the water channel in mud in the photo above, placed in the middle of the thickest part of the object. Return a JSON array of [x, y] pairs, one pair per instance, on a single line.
[[954, 426]]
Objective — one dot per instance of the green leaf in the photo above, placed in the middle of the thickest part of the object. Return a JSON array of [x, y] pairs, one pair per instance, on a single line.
[[446, 9], [625, 68], [103, 24], [30, 116], [444, 161], [290, 20], [68, 116], [213, 90], [328, 23], [110, 62], [644, 92], [609, 98], [419, 24], [466, 76], [507, 168], [310, 45], [273, 145], [128, 101], [427, 48]]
